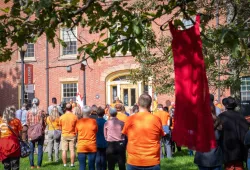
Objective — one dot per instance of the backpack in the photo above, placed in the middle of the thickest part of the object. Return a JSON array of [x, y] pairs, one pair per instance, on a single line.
[[35, 131]]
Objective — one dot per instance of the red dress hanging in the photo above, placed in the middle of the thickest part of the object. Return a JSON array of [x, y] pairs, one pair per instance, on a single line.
[[193, 120]]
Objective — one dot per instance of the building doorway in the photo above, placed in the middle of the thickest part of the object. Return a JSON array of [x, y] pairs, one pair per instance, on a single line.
[[119, 85]]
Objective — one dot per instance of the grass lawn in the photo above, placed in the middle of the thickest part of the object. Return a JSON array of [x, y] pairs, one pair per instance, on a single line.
[[180, 161]]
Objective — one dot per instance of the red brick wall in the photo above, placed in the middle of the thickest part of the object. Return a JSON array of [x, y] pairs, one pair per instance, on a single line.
[[10, 73]]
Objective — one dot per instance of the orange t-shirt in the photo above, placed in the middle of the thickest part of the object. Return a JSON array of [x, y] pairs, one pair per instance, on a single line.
[[122, 117], [68, 124], [5, 131], [144, 132], [86, 129], [219, 106], [164, 116], [55, 124]]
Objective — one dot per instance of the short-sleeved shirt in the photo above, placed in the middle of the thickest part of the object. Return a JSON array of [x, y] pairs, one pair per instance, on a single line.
[[68, 124], [144, 132], [122, 117], [52, 125], [21, 115], [164, 116], [15, 124], [86, 129]]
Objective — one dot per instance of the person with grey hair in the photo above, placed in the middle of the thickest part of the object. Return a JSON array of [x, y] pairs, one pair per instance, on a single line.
[[116, 150], [10, 127], [35, 116], [86, 128]]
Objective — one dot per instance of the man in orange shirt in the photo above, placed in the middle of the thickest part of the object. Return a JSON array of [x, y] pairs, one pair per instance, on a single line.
[[86, 128], [144, 132], [166, 140], [67, 122]]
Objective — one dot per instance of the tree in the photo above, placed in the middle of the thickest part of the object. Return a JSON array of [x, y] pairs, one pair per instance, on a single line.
[[225, 48], [23, 21]]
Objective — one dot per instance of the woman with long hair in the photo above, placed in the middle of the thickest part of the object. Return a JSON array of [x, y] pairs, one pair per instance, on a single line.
[[77, 111], [53, 124], [10, 128]]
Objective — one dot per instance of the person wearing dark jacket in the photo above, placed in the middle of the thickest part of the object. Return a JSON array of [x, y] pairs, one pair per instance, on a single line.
[[234, 129], [212, 160], [93, 114]]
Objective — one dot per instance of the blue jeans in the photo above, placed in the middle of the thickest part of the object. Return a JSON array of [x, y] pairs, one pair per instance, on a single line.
[[166, 149], [132, 167], [190, 152], [101, 162], [40, 151], [91, 160], [248, 163], [210, 168]]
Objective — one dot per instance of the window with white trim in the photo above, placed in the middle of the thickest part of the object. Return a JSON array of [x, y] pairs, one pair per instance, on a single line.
[[30, 51], [245, 88], [69, 91], [69, 35]]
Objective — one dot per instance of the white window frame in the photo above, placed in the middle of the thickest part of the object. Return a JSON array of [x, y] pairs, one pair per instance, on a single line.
[[68, 82], [69, 56], [247, 88], [27, 59]]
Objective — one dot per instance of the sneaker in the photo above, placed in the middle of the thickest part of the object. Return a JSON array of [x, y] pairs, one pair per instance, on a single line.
[[32, 167], [72, 166], [65, 165], [38, 167]]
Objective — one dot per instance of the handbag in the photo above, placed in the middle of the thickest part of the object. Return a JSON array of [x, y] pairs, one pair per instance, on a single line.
[[24, 146], [57, 133], [36, 131]]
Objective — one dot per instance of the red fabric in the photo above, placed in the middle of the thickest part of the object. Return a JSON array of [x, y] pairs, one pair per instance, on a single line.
[[193, 120], [9, 147], [236, 165]]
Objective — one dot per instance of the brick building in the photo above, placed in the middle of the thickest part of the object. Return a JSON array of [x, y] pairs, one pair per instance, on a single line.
[[105, 79]]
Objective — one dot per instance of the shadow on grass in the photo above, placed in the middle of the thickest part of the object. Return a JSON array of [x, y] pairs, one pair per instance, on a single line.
[[180, 161]]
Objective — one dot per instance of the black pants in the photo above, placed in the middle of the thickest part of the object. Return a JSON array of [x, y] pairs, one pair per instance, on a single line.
[[116, 153], [11, 163]]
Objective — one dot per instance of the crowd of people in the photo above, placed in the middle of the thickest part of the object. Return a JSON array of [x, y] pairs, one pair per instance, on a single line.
[[111, 136]]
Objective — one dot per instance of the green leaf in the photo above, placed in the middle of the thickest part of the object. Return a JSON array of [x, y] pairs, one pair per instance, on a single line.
[[6, 10], [136, 29], [223, 35], [62, 42]]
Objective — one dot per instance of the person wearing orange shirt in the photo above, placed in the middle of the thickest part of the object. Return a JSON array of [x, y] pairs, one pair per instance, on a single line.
[[86, 128], [67, 122], [166, 140], [53, 124], [144, 132], [10, 128], [120, 113]]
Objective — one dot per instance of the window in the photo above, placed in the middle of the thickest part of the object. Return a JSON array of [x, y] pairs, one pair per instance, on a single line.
[[245, 88], [69, 91], [30, 51], [27, 97], [69, 37], [114, 92]]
